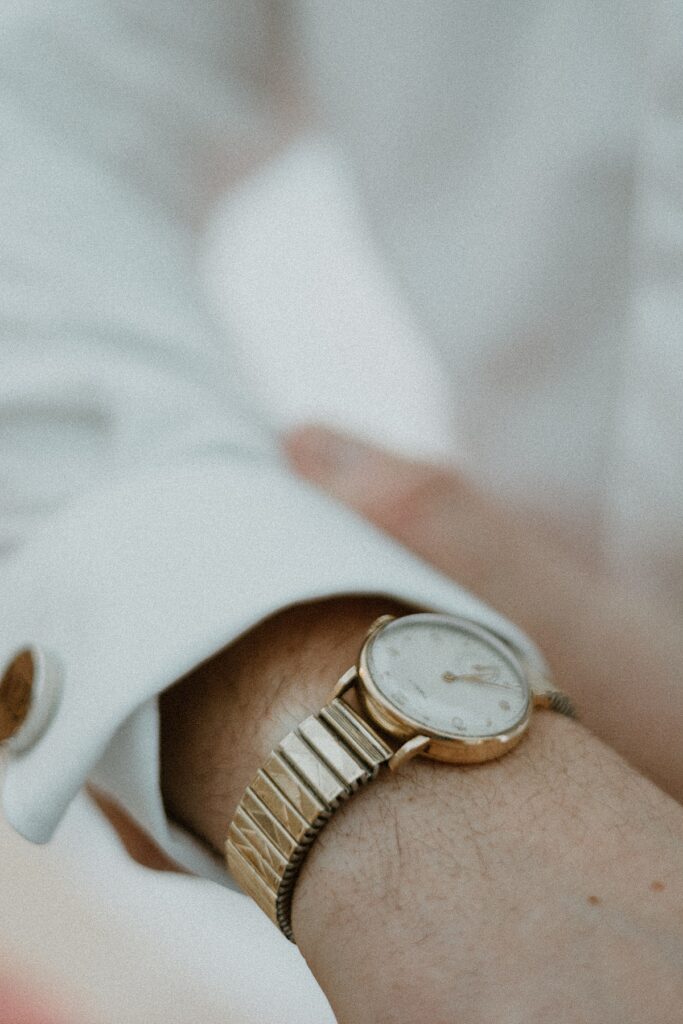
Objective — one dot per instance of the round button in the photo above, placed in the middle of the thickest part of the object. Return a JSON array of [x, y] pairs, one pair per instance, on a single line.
[[29, 695]]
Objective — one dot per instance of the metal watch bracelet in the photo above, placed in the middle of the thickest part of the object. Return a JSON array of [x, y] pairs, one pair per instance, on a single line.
[[304, 780], [309, 774]]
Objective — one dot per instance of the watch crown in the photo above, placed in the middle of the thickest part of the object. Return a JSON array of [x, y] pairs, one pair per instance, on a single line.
[[561, 703]]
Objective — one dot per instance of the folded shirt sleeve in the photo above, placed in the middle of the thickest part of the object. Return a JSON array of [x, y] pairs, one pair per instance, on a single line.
[[145, 520]]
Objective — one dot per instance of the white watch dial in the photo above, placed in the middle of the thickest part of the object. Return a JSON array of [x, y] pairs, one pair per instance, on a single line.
[[447, 677]]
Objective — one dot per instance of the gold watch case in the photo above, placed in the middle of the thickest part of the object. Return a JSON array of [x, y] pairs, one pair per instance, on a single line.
[[415, 738]]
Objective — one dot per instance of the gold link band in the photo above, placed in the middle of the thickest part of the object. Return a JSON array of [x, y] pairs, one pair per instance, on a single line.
[[333, 752], [355, 732], [313, 769], [252, 881]]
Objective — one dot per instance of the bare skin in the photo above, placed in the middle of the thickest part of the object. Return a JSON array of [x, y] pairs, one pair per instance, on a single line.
[[548, 885]]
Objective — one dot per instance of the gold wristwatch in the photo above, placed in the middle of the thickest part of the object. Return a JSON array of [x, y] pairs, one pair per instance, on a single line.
[[435, 685]]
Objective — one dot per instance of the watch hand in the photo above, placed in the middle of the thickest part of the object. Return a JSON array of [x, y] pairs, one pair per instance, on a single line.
[[450, 677]]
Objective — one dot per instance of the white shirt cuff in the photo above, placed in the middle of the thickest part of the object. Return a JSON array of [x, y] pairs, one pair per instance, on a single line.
[[133, 586]]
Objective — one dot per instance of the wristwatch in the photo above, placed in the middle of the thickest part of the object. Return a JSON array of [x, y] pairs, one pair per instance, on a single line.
[[428, 684]]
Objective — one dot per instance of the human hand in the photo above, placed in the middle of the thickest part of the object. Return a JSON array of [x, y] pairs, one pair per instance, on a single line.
[[617, 651]]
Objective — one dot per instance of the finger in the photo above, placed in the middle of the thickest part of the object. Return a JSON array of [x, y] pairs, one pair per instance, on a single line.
[[433, 511]]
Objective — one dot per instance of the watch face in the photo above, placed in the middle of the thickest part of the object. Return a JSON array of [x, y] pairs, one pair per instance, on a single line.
[[447, 676]]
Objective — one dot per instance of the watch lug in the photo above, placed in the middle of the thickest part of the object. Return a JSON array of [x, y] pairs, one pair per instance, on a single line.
[[381, 621], [406, 752], [345, 682]]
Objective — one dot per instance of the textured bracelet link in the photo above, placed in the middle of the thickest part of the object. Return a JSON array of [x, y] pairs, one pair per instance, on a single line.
[[309, 774]]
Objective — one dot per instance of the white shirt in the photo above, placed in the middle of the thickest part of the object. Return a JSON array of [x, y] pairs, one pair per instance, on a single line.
[[469, 215]]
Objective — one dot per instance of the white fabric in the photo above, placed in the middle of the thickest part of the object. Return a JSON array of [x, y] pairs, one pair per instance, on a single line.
[[326, 333], [457, 228], [119, 944]]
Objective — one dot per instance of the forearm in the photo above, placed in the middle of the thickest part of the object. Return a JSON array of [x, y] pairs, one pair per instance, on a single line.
[[545, 886], [441, 887]]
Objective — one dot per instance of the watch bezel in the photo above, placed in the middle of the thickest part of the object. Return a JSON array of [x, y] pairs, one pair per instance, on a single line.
[[442, 747]]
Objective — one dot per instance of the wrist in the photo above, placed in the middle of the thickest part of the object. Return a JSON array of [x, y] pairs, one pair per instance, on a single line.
[[438, 885], [220, 723], [481, 882]]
